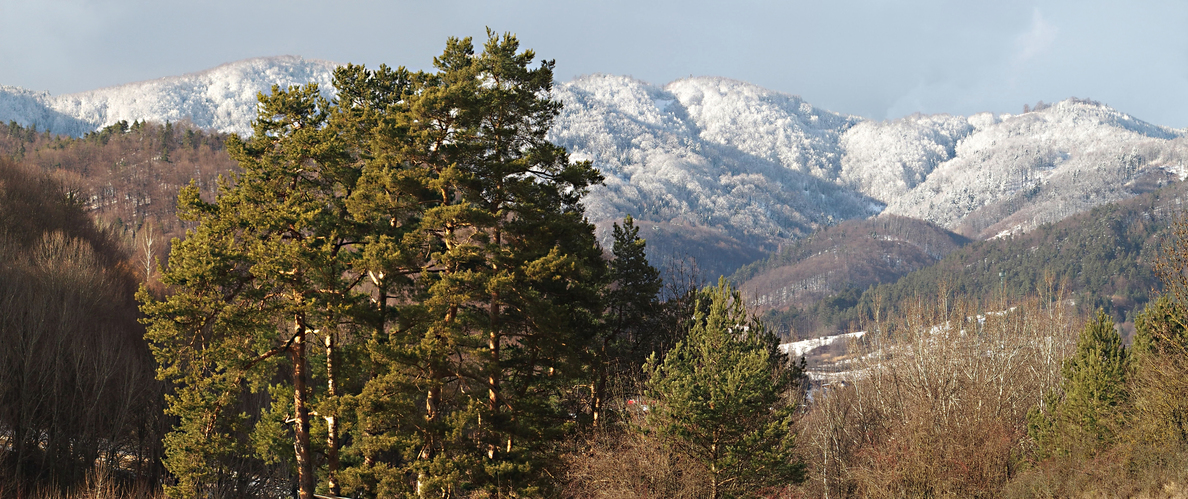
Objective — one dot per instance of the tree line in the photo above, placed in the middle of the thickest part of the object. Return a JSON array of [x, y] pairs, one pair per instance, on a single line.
[[395, 293]]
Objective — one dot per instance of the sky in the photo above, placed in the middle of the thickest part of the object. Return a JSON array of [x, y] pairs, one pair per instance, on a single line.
[[881, 59]]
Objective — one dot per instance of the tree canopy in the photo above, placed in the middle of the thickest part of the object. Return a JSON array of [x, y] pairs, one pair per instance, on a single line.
[[421, 230], [725, 396]]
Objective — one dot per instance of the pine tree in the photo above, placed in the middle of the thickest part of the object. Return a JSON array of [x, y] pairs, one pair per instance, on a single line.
[[267, 270], [632, 299], [724, 397], [421, 229], [471, 384], [1087, 416]]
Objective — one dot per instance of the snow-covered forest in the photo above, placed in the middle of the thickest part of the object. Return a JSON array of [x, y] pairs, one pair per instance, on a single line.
[[722, 170]]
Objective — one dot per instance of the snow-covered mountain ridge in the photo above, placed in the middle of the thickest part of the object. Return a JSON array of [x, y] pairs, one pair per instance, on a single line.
[[723, 170], [221, 98], [765, 167]]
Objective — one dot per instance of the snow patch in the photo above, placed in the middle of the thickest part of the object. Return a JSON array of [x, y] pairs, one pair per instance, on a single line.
[[802, 347]]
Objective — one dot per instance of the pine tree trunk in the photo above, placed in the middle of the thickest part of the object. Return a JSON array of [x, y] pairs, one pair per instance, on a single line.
[[331, 420], [301, 447], [714, 471], [603, 365], [432, 411], [432, 399], [494, 374], [599, 393], [493, 383]]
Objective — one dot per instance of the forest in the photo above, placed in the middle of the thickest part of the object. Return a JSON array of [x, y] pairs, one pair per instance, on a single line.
[[396, 293]]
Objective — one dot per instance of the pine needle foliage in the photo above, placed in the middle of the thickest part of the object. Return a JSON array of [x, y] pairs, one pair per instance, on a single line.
[[724, 397], [1088, 414], [421, 232]]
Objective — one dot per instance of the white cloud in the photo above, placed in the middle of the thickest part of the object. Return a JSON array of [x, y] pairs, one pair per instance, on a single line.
[[1038, 39]]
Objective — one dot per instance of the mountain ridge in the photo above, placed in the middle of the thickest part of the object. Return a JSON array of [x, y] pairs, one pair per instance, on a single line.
[[221, 98], [723, 170]]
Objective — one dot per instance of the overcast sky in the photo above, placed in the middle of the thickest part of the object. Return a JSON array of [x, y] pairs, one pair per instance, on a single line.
[[881, 59]]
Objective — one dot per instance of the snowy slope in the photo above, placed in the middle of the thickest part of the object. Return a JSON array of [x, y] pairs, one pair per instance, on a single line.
[[714, 152], [669, 158], [1042, 166], [888, 159], [723, 170], [223, 98]]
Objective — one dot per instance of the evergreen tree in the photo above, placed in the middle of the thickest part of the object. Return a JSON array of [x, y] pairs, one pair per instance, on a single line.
[[1087, 416], [424, 232], [1160, 375], [474, 373], [267, 270], [1160, 349], [724, 397], [632, 300], [634, 296]]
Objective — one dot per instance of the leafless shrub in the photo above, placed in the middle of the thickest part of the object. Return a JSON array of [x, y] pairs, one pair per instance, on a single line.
[[99, 484], [937, 400], [625, 459]]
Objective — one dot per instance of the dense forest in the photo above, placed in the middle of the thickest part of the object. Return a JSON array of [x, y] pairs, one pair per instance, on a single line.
[[127, 176], [396, 293], [1101, 259]]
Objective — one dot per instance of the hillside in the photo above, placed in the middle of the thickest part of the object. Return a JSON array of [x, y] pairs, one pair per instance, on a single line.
[[1100, 258], [853, 254], [725, 171], [673, 159], [1042, 166], [126, 177], [759, 169], [78, 384]]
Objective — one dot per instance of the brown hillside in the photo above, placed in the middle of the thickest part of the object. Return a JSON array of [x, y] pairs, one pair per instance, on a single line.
[[853, 254], [127, 177]]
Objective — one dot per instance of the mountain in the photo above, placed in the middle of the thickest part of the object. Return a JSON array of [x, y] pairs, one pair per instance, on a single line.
[[724, 171], [852, 255], [1100, 258], [222, 98], [1018, 172], [753, 168], [689, 161]]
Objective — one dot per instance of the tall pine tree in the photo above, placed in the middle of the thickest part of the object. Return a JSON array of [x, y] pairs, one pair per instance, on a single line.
[[725, 397], [489, 341], [266, 272]]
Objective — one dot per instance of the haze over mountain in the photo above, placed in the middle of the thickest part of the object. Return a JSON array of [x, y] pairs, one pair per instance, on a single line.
[[725, 171]]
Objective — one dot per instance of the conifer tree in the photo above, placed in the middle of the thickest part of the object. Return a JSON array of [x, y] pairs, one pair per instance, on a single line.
[[724, 397], [632, 300], [471, 378], [1160, 349], [1160, 375], [1087, 416], [266, 271], [422, 230], [634, 297]]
